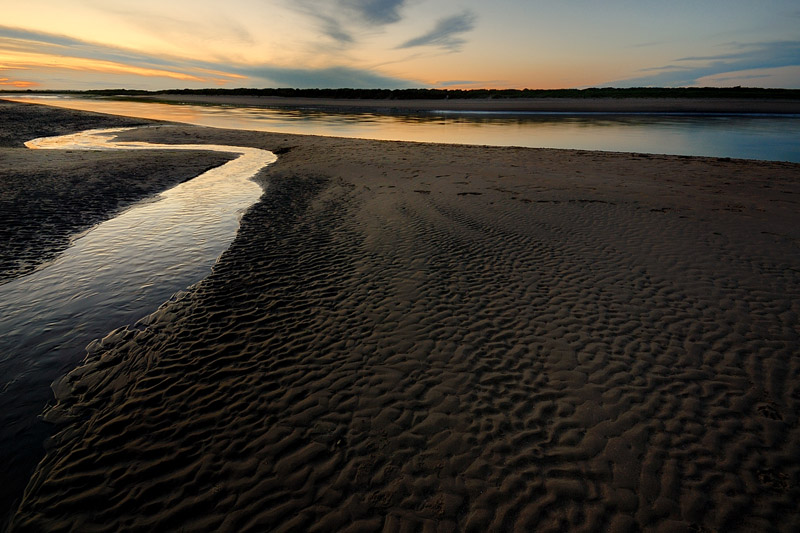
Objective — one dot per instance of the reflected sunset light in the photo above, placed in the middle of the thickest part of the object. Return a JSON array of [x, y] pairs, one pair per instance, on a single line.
[[740, 136]]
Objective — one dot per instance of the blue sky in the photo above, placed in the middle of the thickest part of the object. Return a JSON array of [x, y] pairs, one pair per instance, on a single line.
[[150, 44]]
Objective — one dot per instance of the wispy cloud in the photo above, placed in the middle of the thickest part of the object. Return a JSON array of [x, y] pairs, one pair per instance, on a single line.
[[334, 29], [740, 77], [375, 11], [18, 84], [665, 68], [646, 44], [34, 51], [739, 57], [342, 20], [453, 83], [27, 50], [470, 84], [333, 77], [446, 34], [30, 61], [46, 43], [22, 35]]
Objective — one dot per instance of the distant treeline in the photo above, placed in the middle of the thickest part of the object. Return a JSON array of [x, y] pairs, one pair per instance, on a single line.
[[442, 94]]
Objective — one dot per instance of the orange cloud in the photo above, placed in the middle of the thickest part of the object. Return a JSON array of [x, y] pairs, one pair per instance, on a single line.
[[18, 83], [220, 73], [27, 60]]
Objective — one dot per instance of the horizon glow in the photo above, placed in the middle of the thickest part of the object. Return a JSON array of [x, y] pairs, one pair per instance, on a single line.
[[146, 44]]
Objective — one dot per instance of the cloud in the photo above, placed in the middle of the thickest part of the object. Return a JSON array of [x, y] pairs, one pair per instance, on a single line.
[[375, 11], [469, 84], [742, 77], [325, 78], [647, 44], [769, 77], [18, 84], [334, 29], [29, 61], [28, 50], [46, 43], [452, 83], [446, 34], [665, 68], [741, 57], [26, 35], [759, 52], [342, 20], [46, 53]]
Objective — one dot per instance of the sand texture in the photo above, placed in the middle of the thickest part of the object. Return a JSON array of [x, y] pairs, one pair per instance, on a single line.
[[42, 209], [47, 197], [420, 337], [23, 122], [574, 105]]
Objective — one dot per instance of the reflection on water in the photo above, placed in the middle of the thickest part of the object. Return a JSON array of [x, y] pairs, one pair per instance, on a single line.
[[769, 137], [118, 272]]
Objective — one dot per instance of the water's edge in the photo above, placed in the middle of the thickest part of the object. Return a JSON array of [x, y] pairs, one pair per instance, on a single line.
[[112, 277], [746, 136]]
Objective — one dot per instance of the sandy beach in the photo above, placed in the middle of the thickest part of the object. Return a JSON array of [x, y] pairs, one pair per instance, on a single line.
[[426, 337], [48, 198], [510, 105]]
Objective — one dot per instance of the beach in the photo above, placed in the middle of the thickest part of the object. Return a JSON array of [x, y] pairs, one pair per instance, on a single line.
[[416, 336], [48, 198]]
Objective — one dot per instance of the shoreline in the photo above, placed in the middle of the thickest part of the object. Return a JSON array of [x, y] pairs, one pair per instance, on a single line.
[[761, 136], [47, 199], [37, 219], [409, 335], [510, 105]]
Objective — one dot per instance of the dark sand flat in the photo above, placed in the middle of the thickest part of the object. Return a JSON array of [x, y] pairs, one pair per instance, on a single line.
[[410, 336]]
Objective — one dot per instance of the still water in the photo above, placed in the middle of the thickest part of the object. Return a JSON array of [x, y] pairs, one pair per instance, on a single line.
[[769, 137], [118, 272]]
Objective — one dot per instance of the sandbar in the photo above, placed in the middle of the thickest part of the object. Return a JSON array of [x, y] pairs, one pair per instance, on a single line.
[[415, 336]]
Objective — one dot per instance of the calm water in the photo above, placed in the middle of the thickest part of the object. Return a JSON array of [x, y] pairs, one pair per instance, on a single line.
[[740, 136], [118, 272]]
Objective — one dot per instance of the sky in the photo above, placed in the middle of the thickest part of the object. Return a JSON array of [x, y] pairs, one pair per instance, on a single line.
[[158, 44]]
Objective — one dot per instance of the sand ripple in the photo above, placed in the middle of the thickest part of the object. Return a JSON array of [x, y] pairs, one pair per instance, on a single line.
[[377, 351]]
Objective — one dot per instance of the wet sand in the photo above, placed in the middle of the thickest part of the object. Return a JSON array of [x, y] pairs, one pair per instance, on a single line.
[[510, 105], [46, 198], [409, 336]]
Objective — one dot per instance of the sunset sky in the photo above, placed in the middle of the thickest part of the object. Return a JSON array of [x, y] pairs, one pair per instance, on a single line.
[[148, 44]]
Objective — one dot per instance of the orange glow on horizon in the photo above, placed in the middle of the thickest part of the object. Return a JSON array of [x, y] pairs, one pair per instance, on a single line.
[[19, 84]]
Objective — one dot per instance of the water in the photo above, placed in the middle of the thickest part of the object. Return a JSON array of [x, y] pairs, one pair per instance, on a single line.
[[768, 137], [115, 274]]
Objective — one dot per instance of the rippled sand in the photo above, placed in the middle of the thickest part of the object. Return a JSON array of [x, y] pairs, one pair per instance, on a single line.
[[426, 337]]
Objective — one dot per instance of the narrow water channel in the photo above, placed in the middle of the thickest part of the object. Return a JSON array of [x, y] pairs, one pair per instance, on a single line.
[[116, 273]]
